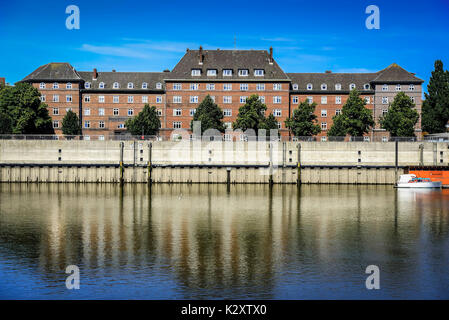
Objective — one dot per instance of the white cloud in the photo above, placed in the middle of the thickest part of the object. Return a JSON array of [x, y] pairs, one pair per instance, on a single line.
[[114, 51]]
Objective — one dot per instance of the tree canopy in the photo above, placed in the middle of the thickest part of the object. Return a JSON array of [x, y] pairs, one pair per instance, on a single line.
[[435, 108], [71, 124], [210, 115], [252, 116], [401, 118], [20, 105], [146, 122], [355, 119], [303, 122]]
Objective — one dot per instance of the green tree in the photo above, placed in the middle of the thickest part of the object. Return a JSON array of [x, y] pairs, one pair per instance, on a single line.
[[338, 128], [23, 106], [355, 119], [303, 122], [146, 122], [251, 115], [401, 118], [210, 115], [71, 124], [5, 123], [435, 108], [269, 123]]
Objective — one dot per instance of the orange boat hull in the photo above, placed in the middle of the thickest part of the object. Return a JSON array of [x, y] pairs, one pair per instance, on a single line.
[[433, 174]]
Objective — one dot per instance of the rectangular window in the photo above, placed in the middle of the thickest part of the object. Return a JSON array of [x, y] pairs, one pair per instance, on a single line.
[[55, 124], [43, 98], [367, 100], [115, 112], [227, 72], [277, 86], [210, 86], [243, 72], [227, 112], [101, 124], [55, 98], [177, 86], [258, 73], [55, 111], [68, 86], [277, 99], [86, 124], [227, 87], [86, 137], [277, 112], [192, 112], [213, 98], [211, 72], [115, 99], [194, 86], [244, 87], [159, 99], [130, 112], [193, 99], [323, 139], [243, 99], [295, 100], [42, 86], [324, 113], [144, 99], [398, 87], [177, 99], [87, 112], [101, 138], [384, 100], [324, 100], [101, 111], [86, 98], [262, 99], [130, 99], [310, 100], [411, 87], [260, 87], [177, 112], [68, 98], [338, 100], [177, 125], [323, 125], [159, 112], [413, 99], [55, 85], [385, 87], [101, 99], [337, 112], [196, 72], [384, 112], [227, 99]]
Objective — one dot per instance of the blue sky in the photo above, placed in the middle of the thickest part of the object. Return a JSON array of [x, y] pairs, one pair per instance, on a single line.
[[307, 36]]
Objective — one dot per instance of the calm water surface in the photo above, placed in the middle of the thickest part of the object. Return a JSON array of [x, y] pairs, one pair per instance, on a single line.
[[207, 241]]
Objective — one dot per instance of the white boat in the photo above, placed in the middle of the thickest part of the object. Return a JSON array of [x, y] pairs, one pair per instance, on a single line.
[[412, 181]]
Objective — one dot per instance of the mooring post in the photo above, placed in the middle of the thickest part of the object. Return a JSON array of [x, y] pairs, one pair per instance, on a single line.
[[396, 160], [122, 169], [149, 166], [421, 154], [298, 180], [435, 154], [271, 165], [228, 176]]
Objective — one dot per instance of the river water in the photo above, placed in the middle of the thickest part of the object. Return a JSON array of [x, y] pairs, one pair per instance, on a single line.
[[215, 242]]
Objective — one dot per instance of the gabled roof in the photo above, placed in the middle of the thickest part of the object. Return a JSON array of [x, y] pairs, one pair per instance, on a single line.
[[54, 71], [331, 79], [227, 59], [123, 78], [394, 74]]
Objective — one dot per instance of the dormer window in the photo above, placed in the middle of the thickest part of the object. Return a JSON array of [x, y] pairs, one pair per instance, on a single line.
[[87, 85], [323, 86], [385, 87], [352, 86], [42, 85], [101, 85], [130, 85], [227, 72], [338, 86], [144, 85], [243, 72], [158, 85], [196, 72], [309, 86], [295, 86], [259, 73], [212, 73], [55, 85], [68, 85], [366, 86], [116, 85]]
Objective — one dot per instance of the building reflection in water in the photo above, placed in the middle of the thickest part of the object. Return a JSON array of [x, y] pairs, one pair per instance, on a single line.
[[243, 241]]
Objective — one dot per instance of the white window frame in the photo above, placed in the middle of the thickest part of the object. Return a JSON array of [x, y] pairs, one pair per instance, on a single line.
[[144, 99], [411, 87], [116, 112], [323, 126], [56, 111], [116, 99], [338, 100], [243, 72], [55, 85], [323, 99], [260, 87], [398, 87], [55, 98], [227, 99], [177, 112], [323, 86], [384, 100], [158, 99], [277, 86], [309, 86], [338, 87], [87, 112], [385, 87], [196, 72], [193, 99], [177, 86], [177, 99], [243, 87], [68, 98], [295, 100], [259, 72], [243, 99], [42, 85], [227, 72], [130, 112], [277, 113], [211, 72], [227, 112], [101, 85], [68, 85], [87, 85], [101, 124], [177, 124], [130, 99], [227, 86], [101, 111], [323, 113], [277, 99], [352, 86], [210, 86]]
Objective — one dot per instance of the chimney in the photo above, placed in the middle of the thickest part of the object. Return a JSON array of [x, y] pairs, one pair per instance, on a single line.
[[328, 71], [201, 57], [94, 74], [113, 70], [166, 70], [187, 50], [271, 54]]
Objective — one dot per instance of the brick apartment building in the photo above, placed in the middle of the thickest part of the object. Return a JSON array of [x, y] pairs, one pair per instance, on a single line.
[[105, 100]]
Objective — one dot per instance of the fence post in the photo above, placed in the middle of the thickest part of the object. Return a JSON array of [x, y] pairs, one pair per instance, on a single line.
[[271, 164], [435, 154], [298, 180], [150, 167], [396, 160], [421, 154]]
